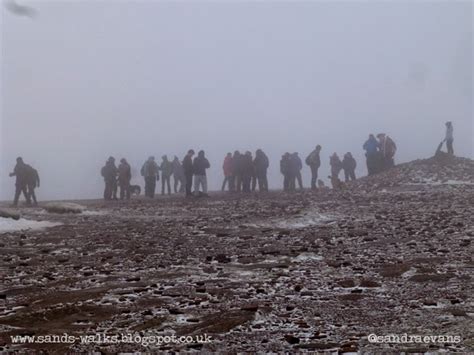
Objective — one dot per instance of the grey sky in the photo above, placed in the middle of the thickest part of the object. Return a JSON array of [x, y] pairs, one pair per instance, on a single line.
[[85, 80]]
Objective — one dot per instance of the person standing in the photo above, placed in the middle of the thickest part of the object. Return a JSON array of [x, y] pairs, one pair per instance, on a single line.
[[449, 138], [387, 149], [349, 165], [297, 165], [227, 168], [109, 173], [150, 172], [336, 166], [247, 171], [124, 178], [188, 171], [314, 162], [200, 165], [285, 170], [371, 152], [21, 173], [178, 175], [237, 171], [166, 172], [261, 164], [33, 181]]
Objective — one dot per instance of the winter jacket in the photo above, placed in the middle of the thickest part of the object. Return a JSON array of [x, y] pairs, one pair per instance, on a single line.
[[166, 168], [188, 165], [313, 159], [32, 176], [150, 169], [388, 147], [261, 164], [348, 163], [124, 172], [371, 145], [227, 166], [109, 171], [178, 171], [200, 165], [247, 166]]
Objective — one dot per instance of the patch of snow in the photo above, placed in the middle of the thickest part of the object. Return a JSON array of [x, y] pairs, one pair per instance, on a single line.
[[10, 225], [307, 257], [307, 219]]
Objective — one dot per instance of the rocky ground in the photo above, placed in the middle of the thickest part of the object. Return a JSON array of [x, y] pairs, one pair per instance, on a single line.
[[307, 271]]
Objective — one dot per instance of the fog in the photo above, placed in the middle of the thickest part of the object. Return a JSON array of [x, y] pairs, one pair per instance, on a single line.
[[85, 80]]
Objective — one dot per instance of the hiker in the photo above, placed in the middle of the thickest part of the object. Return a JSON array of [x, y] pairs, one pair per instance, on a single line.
[[166, 168], [313, 160], [261, 164], [295, 168], [109, 173], [124, 178], [336, 166], [178, 175], [387, 148], [349, 165], [200, 165], [237, 171], [21, 173], [33, 181], [247, 171], [285, 170], [449, 138], [371, 147], [227, 168], [150, 172], [188, 171]]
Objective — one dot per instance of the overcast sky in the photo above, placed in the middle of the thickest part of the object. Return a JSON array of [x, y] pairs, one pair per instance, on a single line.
[[84, 80]]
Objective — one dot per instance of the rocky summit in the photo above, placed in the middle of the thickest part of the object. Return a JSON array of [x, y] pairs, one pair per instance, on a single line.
[[319, 271]]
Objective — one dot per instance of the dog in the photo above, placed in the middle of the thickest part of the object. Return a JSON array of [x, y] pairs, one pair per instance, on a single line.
[[336, 183], [135, 190]]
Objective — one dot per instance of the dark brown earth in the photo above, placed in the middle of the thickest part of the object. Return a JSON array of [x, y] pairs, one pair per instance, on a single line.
[[276, 272]]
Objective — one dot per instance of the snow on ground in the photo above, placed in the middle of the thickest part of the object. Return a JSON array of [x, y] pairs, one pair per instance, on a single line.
[[10, 225], [307, 219]]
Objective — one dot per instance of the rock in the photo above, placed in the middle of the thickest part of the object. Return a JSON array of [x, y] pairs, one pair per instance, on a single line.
[[222, 258], [8, 213], [369, 283], [64, 207], [292, 339], [346, 283]]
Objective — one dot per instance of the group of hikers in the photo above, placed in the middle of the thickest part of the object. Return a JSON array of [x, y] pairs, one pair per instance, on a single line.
[[242, 171]]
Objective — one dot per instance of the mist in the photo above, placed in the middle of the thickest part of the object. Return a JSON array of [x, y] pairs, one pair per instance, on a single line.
[[82, 81]]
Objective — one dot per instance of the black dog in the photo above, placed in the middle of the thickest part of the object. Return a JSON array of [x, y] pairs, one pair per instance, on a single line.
[[135, 190]]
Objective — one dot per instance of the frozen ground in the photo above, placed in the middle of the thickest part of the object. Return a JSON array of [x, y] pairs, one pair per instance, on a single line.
[[271, 273]]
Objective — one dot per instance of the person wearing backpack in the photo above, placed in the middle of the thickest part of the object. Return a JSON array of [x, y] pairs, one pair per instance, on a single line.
[[313, 160]]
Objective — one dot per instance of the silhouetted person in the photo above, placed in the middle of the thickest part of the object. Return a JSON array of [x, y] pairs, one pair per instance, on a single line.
[[200, 165], [109, 173], [33, 181], [150, 172], [387, 148], [124, 178], [295, 166], [247, 171], [237, 170], [166, 172], [349, 165], [261, 164], [336, 166], [227, 169], [314, 162], [188, 171], [285, 170], [178, 175], [371, 147], [21, 173], [449, 138]]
